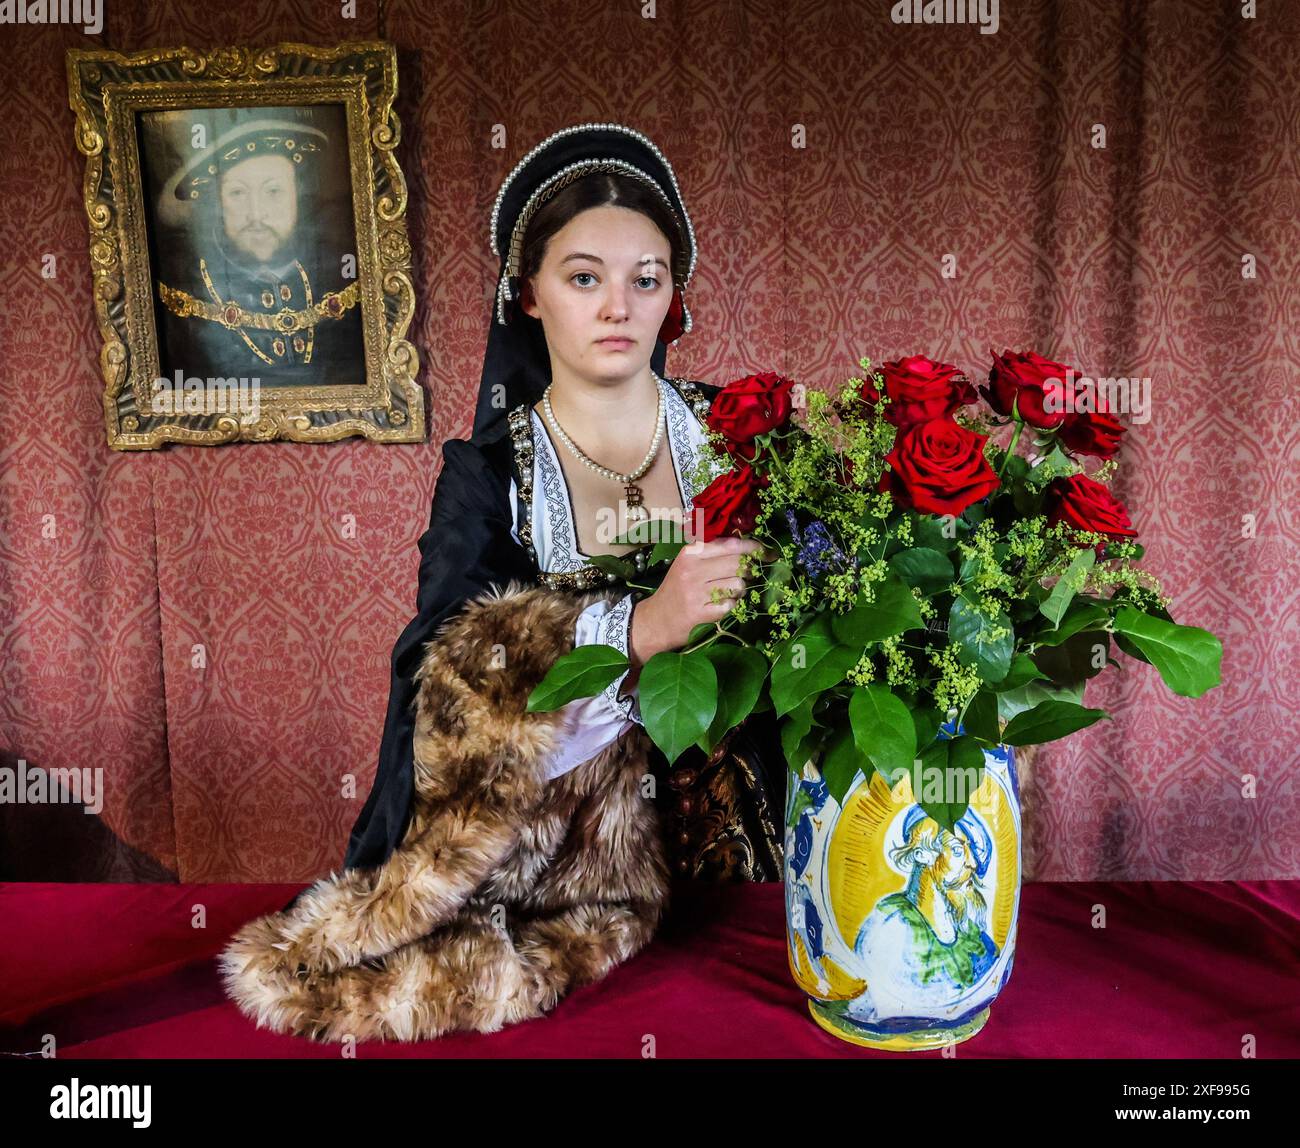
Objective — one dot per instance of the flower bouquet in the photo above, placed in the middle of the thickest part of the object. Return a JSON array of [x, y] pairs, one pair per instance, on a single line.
[[926, 601]]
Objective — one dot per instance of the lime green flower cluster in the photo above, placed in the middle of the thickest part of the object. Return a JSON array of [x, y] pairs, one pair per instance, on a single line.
[[956, 684], [866, 615], [826, 469]]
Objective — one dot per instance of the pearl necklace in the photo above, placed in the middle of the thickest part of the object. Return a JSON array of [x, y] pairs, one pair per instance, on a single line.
[[636, 512]]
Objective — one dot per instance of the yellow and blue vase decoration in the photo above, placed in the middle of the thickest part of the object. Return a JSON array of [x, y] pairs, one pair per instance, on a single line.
[[901, 932]]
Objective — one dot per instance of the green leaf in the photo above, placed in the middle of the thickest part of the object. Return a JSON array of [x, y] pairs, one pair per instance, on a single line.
[[1130, 648], [665, 552], [1049, 721], [991, 657], [794, 731], [981, 720], [966, 754], [1075, 660], [893, 544], [933, 762], [1068, 585], [1122, 640], [679, 695], [961, 761], [1028, 696], [777, 575], [700, 631], [621, 567], [894, 610], [1035, 592], [1081, 616], [926, 569], [842, 761], [810, 661], [801, 801], [1016, 468], [741, 671], [1057, 458], [882, 728], [928, 532], [1022, 672], [1188, 658], [925, 721], [1025, 500], [651, 532], [582, 673]]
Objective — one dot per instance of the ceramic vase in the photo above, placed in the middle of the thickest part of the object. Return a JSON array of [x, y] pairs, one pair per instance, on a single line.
[[900, 932]]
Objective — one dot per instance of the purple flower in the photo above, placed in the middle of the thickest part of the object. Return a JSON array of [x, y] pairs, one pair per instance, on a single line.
[[818, 552], [793, 524]]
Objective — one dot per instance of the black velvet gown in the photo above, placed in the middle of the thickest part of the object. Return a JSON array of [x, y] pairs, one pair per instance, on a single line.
[[722, 812]]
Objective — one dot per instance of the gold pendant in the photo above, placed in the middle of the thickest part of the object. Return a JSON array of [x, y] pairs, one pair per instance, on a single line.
[[635, 511]]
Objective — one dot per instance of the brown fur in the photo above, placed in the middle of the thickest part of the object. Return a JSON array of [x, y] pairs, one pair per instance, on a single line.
[[506, 890]]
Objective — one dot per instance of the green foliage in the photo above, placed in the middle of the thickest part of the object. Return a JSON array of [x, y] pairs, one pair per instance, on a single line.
[[678, 696], [1187, 657], [930, 571], [1048, 721], [985, 642], [742, 670], [810, 662], [892, 611], [842, 761], [1066, 587], [993, 618], [583, 673], [882, 728]]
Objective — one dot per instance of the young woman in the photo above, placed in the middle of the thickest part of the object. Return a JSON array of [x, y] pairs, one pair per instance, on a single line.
[[596, 252], [501, 857]]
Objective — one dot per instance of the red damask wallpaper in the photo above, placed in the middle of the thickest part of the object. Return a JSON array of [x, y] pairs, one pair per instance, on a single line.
[[917, 143]]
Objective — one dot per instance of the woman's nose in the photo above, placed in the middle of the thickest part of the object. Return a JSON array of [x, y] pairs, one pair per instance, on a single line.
[[615, 303]]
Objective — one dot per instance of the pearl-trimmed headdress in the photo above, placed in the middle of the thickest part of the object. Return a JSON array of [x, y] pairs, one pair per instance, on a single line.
[[564, 176], [517, 360]]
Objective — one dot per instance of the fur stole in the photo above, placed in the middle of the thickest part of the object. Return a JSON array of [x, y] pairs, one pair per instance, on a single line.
[[506, 891]]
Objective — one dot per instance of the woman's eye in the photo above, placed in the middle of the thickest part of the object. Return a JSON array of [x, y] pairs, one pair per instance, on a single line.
[[648, 281]]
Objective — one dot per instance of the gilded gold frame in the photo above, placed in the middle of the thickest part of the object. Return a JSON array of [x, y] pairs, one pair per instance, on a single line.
[[106, 90]]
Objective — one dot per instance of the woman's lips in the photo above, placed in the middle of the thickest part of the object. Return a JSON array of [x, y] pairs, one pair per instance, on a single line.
[[614, 344]]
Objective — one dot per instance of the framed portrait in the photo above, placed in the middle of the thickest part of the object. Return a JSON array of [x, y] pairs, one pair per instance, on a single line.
[[248, 243]]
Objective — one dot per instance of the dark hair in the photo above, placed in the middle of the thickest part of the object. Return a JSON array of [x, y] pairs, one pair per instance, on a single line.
[[597, 190]]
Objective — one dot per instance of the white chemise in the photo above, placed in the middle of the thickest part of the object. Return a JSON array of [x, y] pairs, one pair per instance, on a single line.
[[591, 724]]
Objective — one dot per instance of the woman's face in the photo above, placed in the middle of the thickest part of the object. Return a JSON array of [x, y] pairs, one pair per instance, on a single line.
[[605, 273]]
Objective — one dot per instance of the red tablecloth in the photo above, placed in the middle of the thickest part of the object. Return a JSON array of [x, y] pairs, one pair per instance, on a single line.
[[1180, 970]]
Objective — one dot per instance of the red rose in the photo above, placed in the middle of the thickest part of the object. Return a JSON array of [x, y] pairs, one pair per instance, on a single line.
[[748, 407], [1095, 431], [920, 390], [938, 467], [1086, 504], [1025, 380], [729, 503]]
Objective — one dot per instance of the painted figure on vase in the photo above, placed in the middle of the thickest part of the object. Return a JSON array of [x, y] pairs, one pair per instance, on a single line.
[[938, 922]]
